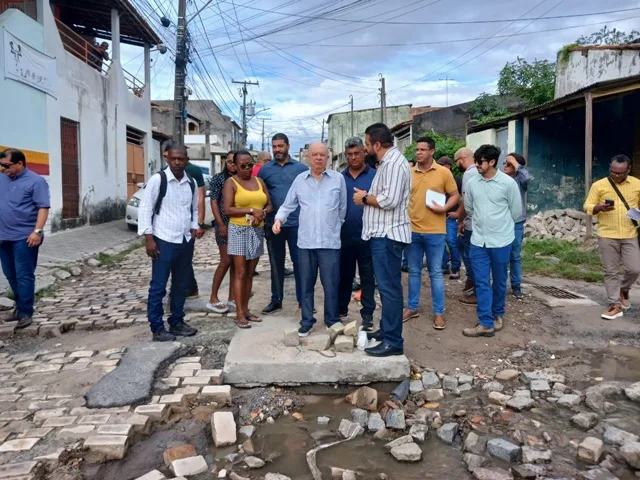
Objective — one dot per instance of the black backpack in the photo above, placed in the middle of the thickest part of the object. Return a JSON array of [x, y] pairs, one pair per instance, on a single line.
[[163, 192]]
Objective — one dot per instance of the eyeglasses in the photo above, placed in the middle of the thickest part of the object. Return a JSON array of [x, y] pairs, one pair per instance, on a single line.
[[617, 174], [229, 160], [6, 165], [245, 166]]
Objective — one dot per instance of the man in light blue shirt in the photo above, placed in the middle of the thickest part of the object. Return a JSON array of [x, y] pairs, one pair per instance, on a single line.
[[321, 195], [493, 201]]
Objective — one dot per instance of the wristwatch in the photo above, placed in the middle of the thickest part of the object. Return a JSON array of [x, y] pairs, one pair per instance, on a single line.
[[201, 225], [38, 231], [364, 199]]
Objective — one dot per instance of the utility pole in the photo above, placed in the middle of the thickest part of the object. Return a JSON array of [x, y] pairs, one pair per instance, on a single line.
[[263, 137], [383, 101], [352, 130], [244, 92], [180, 74], [207, 146], [322, 130], [446, 79]]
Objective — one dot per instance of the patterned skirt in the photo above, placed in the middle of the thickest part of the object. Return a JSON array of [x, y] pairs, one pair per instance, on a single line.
[[246, 242]]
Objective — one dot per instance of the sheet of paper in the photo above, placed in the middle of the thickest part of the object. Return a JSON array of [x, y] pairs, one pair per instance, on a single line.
[[439, 198], [634, 214]]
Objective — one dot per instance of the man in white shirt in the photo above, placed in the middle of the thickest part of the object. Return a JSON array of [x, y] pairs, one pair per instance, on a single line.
[[169, 224]]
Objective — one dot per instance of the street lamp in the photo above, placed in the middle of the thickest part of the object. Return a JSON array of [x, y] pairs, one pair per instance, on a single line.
[[256, 114]]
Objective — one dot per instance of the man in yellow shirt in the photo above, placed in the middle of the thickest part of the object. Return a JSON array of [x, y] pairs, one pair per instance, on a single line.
[[618, 235], [429, 228]]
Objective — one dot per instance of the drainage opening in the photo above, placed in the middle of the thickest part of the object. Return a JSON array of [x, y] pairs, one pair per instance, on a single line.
[[558, 293]]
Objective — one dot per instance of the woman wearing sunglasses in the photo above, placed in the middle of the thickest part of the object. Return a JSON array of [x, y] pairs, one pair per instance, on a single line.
[[246, 202]]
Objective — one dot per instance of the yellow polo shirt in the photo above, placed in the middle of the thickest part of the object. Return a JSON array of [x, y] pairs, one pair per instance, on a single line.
[[439, 179], [614, 224]]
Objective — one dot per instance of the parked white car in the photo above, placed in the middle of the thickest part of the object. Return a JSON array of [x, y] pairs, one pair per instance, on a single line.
[[131, 216]]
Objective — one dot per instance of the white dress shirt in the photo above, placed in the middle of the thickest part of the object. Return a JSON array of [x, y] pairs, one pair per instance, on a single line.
[[391, 187], [174, 221]]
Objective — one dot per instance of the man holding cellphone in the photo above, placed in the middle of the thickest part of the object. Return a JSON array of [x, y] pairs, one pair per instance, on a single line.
[[609, 200]]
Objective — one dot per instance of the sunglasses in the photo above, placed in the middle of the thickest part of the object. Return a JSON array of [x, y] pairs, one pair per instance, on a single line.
[[481, 161], [6, 165], [245, 166]]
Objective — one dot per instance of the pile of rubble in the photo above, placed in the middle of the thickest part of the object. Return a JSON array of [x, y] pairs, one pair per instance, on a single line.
[[340, 338], [569, 225]]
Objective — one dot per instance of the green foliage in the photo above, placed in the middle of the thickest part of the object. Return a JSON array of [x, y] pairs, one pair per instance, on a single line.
[[487, 107], [557, 258], [534, 82], [607, 36], [445, 146]]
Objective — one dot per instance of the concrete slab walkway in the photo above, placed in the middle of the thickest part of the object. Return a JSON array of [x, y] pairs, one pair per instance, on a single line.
[[258, 356]]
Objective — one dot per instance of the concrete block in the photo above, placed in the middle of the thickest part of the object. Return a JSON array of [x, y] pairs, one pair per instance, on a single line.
[[177, 453], [214, 375], [351, 329], [188, 392], [94, 419], [106, 447], [115, 429], [221, 394], [223, 429], [153, 475], [200, 381], [74, 433], [590, 450], [504, 450], [343, 344], [159, 412], [291, 338], [430, 380], [189, 466], [43, 415], [317, 343], [174, 399], [82, 354], [19, 445]]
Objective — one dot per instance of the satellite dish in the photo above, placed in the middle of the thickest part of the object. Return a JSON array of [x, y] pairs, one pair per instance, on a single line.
[[165, 22]]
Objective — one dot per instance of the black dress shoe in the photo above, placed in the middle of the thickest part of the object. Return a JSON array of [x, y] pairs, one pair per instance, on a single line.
[[163, 336], [24, 322], [288, 272], [377, 336], [383, 350], [182, 330], [272, 307]]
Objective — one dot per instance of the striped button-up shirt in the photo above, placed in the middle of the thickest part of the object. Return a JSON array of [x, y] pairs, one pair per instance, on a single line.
[[391, 187], [174, 222], [323, 206], [614, 224]]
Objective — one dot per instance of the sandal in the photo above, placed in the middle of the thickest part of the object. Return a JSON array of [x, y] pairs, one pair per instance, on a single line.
[[253, 318], [218, 307], [243, 325]]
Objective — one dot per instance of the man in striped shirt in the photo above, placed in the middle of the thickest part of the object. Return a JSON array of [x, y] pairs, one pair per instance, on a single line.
[[386, 224]]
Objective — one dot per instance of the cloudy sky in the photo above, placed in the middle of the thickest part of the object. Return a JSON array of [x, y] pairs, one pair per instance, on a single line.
[[309, 56]]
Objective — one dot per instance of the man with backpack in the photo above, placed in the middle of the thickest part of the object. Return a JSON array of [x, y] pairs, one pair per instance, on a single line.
[[168, 218]]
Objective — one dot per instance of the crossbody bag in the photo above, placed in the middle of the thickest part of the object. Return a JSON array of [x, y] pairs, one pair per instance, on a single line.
[[624, 201]]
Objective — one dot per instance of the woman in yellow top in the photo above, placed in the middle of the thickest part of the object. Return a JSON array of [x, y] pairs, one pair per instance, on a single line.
[[246, 202]]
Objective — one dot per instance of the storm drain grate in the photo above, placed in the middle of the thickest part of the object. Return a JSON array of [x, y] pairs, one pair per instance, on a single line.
[[558, 293]]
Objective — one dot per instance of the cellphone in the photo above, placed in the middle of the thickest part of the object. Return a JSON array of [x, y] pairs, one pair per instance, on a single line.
[[247, 217], [610, 202]]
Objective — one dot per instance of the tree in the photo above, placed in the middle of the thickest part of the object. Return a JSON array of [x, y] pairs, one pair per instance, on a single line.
[[445, 146], [534, 83], [607, 36], [486, 108]]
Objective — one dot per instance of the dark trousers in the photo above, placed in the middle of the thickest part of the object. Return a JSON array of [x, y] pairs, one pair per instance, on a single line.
[[327, 260], [387, 269], [357, 251], [465, 249], [19, 262], [193, 284], [276, 246], [175, 260]]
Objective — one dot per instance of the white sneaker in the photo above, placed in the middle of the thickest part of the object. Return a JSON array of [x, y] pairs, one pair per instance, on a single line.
[[232, 306], [219, 307]]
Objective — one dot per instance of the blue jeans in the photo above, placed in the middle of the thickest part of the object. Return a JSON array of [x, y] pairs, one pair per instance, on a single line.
[[430, 245], [488, 264], [465, 248], [405, 259], [327, 260], [515, 261], [277, 248], [452, 243], [387, 269], [175, 260], [19, 262], [357, 251]]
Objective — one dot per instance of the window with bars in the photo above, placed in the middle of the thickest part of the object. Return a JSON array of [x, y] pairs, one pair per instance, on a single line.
[[28, 7], [135, 136]]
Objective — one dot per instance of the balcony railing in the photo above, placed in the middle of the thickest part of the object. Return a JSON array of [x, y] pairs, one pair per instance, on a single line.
[[90, 54]]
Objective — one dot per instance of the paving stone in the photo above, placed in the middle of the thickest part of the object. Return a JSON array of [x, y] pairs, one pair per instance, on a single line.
[[19, 445], [407, 453], [43, 415], [508, 375], [80, 431], [447, 432], [17, 469], [360, 416], [94, 419], [153, 475], [179, 373], [189, 366], [60, 421], [419, 432], [223, 429], [122, 429], [449, 383], [473, 461], [188, 392], [164, 383], [493, 387], [475, 443], [35, 433], [176, 453], [189, 466], [196, 381], [433, 394], [105, 363], [399, 441], [349, 429], [290, 337], [504, 450], [84, 325], [618, 437], [430, 380], [482, 473], [8, 390], [82, 354], [375, 422], [50, 331], [498, 398], [416, 386], [156, 412], [14, 415], [220, 394], [539, 386], [585, 421], [188, 360], [590, 450], [214, 375], [520, 404], [630, 451], [141, 423], [9, 398], [343, 344], [569, 400], [317, 343], [107, 447], [463, 379], [535, 455], [175, 399], [395, 419]]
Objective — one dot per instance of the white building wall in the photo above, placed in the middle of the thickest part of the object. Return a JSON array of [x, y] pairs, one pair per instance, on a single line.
[[474, 140], [587, 67], [102, 105]]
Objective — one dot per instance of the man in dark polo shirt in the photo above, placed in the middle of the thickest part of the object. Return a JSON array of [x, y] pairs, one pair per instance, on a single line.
[[355, 250], [24, 208]]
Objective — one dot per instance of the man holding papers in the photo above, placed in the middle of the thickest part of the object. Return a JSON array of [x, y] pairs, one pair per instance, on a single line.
[[430, 184], [613, 201]]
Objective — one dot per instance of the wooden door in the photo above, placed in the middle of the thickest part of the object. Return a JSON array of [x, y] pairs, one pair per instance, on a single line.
[[70, 169], [135, 160]]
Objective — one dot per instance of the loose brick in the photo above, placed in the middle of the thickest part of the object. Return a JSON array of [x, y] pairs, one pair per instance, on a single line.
[[122, 429], [35, 433], [17, 469], [188, 366], [223, 429], [82, 354], [175, 399], [94, 419], [168, 383], [181, 373], [156, 412], [60, 421], [74, 433], [19, 445], [196, 381], [189, 392], [177, 453], [215, 375], [153, 475], [106, 447], [188, 360], [189, 466], [220, 394], [43, 415], [84, 325]]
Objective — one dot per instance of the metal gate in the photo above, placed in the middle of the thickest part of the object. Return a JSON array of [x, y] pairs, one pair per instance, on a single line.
[[135, 160], [70, 169]]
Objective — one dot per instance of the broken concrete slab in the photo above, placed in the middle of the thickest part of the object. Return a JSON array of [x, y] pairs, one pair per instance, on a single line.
[[250, 363], [133, 379]]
